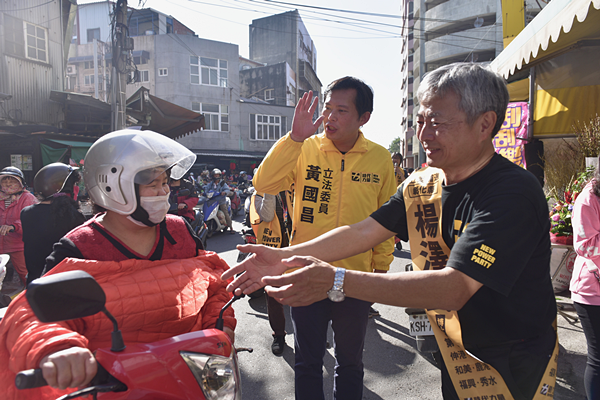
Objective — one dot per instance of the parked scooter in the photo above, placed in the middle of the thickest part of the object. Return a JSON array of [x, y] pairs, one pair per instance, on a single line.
[[194, 365], [213, 216]]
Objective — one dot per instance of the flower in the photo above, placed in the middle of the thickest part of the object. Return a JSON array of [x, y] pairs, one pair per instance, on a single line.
[[560, 215]]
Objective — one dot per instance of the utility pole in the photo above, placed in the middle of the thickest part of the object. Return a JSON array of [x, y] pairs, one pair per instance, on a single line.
[[122, 44]]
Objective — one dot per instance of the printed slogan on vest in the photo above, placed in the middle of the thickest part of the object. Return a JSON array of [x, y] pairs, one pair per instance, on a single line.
[[318, 186], [472, 379]]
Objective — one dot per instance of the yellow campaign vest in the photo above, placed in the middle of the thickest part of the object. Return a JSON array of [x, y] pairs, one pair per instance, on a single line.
[[472, 378], [267, 233]]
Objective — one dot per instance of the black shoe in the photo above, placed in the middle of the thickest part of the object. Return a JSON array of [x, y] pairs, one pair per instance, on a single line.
[[373, 313], [278, 344]]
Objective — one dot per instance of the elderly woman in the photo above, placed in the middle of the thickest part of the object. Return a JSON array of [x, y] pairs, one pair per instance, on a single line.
[[159, 280], [13, 198]]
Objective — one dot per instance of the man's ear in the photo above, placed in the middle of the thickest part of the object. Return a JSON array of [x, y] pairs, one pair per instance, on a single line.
[[363, 119], [487, 123]]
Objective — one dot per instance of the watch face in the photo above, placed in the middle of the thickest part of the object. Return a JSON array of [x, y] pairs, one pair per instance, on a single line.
[[336, 296]]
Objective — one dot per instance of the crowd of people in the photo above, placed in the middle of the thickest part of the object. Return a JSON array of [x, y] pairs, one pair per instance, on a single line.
[[325, 213]]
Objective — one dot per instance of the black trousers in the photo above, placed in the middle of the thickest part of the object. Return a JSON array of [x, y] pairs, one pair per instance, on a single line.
[[590, 322]]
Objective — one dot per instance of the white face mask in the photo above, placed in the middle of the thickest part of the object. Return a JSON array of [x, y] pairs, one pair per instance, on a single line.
[[156, 207]]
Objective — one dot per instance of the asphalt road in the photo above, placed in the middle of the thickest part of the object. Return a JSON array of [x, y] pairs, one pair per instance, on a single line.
[[393, 368]]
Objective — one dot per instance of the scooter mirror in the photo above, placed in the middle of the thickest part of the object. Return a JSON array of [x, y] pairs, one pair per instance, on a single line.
[[64, 296]]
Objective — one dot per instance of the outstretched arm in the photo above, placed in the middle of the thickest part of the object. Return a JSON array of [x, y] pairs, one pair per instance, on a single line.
[[337, 244], [447, 288]]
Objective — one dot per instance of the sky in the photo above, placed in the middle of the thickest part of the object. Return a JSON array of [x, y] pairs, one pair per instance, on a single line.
[[355, 43]]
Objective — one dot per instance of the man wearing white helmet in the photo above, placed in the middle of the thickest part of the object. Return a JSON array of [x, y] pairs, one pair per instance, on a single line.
[[147, 262]]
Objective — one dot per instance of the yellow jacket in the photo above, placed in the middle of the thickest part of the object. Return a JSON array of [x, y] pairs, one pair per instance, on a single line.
[[331, 189]]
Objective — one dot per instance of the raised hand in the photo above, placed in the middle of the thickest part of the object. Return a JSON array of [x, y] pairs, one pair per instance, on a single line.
[[302, 124], [265, 261]]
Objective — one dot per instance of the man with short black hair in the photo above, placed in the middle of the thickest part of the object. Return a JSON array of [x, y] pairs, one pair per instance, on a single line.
[[340, 178]]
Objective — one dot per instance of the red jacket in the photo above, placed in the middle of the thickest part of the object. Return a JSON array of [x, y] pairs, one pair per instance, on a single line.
[[13, 241], [151, 300]]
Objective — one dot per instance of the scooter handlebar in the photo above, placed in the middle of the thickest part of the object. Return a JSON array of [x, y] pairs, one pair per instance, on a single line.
[[29, 379]]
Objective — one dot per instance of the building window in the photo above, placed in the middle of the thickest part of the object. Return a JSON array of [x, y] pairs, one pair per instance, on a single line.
[[25, 40], [88, 65], [216, 116], [139, 60], [13, 36], [144, 76], [37, 45], [270, 94], [267, 127], [208, 71], [93, 34], [88, 80], [163, 72]]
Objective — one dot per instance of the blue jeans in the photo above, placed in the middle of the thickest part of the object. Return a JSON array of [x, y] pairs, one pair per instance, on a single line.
[[349, 322]]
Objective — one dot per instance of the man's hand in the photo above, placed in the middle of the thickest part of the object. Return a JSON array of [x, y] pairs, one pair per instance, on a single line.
[[70, 368], [304, 286], [181, 206], [302, 124], [264, 262]]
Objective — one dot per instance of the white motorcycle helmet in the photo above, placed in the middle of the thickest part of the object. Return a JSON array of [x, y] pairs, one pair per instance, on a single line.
[[119, 160]]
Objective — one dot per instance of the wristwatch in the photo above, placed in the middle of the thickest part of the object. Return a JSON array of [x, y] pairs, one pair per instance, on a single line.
[[336, 293]]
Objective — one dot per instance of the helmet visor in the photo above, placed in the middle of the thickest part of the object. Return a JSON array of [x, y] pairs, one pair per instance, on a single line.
[[165, 154]]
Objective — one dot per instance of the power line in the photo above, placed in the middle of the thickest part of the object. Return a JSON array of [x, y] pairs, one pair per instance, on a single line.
[[331, 9]]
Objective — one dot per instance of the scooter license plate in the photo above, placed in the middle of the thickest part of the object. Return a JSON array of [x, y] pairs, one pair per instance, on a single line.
[[419, 325]]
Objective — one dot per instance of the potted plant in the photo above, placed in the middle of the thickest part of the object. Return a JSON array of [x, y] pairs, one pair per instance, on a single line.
[[561, 229]]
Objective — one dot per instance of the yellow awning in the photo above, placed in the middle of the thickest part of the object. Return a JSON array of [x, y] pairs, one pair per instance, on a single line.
[[552, 31]]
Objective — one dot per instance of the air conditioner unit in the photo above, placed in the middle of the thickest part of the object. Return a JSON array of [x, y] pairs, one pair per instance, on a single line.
[[71, 69]]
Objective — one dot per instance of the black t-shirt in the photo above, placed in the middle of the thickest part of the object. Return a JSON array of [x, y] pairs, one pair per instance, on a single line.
[[502, 207]]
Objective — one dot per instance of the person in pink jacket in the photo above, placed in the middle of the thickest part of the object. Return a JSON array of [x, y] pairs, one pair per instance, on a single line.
[[585, 282], [13, 198]]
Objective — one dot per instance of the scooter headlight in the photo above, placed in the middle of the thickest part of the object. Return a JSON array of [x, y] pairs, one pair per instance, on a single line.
[[217, 376]]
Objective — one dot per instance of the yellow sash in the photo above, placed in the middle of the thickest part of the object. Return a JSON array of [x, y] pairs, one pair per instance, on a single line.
[[472, 378], [267, 233]]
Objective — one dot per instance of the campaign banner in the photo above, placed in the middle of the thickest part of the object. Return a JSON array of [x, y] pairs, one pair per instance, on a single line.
[[507, 142]]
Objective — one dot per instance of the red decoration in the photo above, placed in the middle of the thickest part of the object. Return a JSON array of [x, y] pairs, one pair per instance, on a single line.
[[567, 240], [232, 166]]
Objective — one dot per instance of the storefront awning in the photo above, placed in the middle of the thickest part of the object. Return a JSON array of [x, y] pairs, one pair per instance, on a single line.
[[557, 28], [161, 116], [54, 150], [563, 44]]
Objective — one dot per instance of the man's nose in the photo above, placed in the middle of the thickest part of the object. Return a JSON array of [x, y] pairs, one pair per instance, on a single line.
[[425, 132]]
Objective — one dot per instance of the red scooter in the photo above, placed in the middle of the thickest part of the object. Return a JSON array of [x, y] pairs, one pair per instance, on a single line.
[[195, 365]]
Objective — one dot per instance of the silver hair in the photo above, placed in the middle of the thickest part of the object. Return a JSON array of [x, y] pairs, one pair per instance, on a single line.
[[479, 88]]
